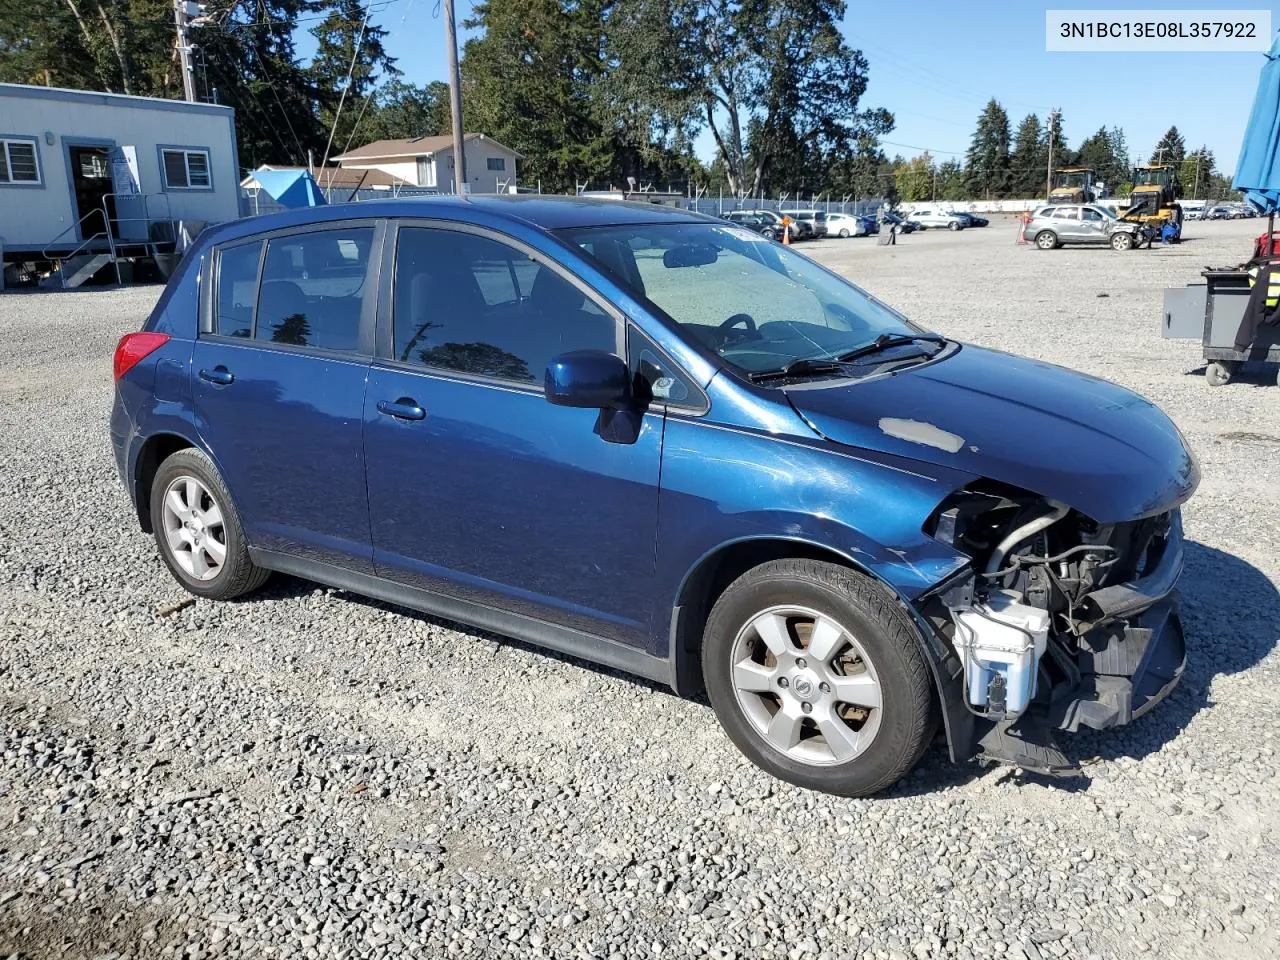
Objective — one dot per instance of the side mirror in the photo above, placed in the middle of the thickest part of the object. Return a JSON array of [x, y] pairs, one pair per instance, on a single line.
[[588, 378]]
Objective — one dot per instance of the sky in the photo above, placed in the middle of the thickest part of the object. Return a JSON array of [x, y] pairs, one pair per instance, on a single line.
[[935, 65]]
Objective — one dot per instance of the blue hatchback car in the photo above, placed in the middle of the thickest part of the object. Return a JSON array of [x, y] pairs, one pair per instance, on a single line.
[[669, 445]]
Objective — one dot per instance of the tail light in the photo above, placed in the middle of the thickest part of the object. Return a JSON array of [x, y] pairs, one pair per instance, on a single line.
[[133, 347]]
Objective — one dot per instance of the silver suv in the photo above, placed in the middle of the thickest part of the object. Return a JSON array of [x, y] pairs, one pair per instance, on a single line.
[[1052, 226]]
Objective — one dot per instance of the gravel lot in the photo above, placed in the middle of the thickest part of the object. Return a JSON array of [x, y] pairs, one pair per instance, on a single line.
[[309, 774]]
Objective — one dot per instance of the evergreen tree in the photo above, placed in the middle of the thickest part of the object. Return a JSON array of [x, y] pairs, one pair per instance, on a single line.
[[527, 81], [1196, 173], [245, 57], [1028, 158], [349, 62], [1170, 149], [987, 162], [1107, 154], [1122, 166]]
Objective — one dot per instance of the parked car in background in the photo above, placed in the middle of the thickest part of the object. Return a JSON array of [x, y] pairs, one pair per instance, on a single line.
[[934, 217], [845, 225], [764, 222], [647, 438], [975, 220], [1068, 223], [902, 223], [814, 220]]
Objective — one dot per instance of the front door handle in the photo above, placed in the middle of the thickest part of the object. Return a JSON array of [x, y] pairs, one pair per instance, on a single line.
[[406, 408], [220, 375]]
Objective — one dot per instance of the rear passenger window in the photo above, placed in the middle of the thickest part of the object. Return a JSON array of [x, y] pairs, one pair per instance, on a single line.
[[471, 304], [313, 288], [237, 289]]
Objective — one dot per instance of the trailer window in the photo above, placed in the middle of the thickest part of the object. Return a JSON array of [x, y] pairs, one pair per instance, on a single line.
[[186, 169], [18, 162]]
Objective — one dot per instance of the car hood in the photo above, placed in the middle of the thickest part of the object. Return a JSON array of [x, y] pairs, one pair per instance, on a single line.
[[1090, 444]]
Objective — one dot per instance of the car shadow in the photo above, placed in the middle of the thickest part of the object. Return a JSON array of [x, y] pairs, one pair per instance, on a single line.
[[1217, 588], [282, 587]]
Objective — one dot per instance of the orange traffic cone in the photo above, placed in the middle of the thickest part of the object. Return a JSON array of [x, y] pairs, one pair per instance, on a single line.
[[786, 231]]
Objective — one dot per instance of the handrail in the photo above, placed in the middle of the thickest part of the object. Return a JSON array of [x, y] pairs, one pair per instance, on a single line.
[[79, 223], [84, 243]]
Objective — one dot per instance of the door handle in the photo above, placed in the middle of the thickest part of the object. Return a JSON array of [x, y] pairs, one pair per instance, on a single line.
[[406, 408], [220, 375]]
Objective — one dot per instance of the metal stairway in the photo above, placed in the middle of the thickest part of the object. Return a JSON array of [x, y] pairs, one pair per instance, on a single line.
[[77, 270]]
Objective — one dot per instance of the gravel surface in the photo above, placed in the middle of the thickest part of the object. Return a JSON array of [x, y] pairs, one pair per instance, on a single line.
[[309, 774]]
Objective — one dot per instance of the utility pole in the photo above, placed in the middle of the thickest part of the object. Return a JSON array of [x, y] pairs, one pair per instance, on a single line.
[[1048, 175], [460, 182], [180, 14]]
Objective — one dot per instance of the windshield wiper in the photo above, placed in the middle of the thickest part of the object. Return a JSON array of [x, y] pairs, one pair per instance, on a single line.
[[887, 341], [819, 366], [804, 367]]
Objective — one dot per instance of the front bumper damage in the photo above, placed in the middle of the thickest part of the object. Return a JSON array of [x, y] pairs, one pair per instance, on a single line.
[[1129, 654]]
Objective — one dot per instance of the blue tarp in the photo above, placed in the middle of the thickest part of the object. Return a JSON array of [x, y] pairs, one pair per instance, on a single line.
[[290, 188], [1258, 170]]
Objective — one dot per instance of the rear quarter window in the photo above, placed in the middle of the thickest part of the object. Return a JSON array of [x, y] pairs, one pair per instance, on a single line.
[[237, 289]]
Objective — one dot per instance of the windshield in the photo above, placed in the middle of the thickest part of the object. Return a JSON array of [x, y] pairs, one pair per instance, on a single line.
[[755, 303], [1144, 178]]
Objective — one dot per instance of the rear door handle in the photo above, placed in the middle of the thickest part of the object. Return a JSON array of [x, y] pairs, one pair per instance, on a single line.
[[220, 375], [405, 408]]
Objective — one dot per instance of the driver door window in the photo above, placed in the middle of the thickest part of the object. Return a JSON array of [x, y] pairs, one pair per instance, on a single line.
[[474, 305]]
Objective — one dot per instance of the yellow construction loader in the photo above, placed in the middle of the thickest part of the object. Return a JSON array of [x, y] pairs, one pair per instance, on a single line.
[[1072, 185], [1154, 198]]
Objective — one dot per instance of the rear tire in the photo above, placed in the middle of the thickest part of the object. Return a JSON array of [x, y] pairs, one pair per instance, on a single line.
[[818, 677], [844, 233], [1046, 240], [953, 225], [198, 529]]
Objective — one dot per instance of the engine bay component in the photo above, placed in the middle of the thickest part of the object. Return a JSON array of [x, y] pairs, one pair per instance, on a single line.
[[1000, 642], [1060, 622], [1025, 532]]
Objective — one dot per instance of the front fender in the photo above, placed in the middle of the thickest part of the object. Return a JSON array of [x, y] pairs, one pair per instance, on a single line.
[[722, 485]]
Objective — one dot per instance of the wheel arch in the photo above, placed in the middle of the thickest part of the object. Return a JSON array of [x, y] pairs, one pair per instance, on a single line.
[[157, 448], [711, 575]]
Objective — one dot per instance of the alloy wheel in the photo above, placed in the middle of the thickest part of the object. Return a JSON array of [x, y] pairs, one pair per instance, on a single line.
[[194, 529], [806, 686]]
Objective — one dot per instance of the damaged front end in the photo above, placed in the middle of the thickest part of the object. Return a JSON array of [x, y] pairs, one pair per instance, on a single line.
[[1059, 621]]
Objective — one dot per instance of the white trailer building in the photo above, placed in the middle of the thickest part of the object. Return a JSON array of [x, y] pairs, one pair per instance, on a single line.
[[86, 176]]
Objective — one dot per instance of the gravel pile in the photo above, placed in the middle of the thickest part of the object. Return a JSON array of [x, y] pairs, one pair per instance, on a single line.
[[310, 774]]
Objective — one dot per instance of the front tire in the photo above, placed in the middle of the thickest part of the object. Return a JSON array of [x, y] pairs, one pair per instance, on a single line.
[[953, 225], [844, 233], [1122, 241], [1046, 240], [198, 529], [818, 677]]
